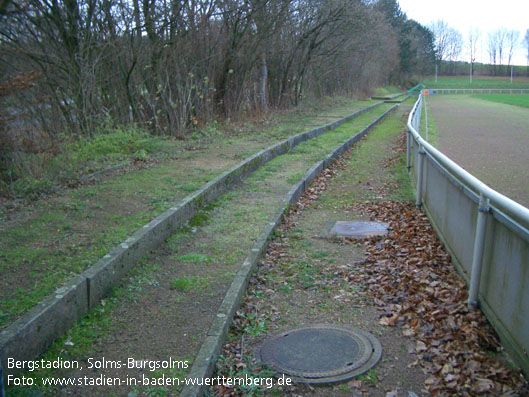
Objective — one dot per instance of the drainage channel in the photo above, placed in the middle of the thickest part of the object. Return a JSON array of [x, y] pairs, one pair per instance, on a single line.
[[164, 309]]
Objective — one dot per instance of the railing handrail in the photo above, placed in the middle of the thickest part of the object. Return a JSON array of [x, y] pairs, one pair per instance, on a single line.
[[511, 91], [506, 204], [478, 89]]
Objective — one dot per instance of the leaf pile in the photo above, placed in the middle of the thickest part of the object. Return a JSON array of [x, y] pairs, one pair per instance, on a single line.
[[417, 288]]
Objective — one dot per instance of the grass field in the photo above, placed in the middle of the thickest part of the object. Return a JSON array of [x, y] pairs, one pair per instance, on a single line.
[[477, 82], [517, 100]]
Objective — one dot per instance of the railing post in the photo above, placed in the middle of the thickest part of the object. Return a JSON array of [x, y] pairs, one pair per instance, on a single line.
[[477, 256], [420, 176], [408, 149]]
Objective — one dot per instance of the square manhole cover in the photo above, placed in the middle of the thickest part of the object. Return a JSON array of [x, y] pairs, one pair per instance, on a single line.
[[356, 229]]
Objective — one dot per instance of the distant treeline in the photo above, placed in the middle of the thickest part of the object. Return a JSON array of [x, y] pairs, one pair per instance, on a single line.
[[70, 65], [459, 68]]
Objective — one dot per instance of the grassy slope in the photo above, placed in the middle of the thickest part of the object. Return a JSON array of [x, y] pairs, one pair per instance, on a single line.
[[389, 90]]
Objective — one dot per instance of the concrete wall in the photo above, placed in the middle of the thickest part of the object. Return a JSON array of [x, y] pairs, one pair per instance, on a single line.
[[504, 283]]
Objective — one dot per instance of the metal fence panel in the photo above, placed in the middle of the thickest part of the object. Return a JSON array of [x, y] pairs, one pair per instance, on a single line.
[[486, 233], [505, 279], [452, 211]]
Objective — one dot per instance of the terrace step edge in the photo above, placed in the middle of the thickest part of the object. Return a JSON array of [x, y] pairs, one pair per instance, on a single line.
[[31, 335], [204, 363]]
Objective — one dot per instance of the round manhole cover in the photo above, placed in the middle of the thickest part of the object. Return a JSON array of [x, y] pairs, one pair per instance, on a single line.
[[321, 353]]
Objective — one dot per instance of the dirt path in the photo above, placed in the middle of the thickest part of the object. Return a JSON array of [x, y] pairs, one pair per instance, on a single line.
[[305, 278], [488, 139], [402, 288]]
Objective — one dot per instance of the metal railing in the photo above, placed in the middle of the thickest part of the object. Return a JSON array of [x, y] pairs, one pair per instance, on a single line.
[[472, 91], [463, 209], [496, 198]]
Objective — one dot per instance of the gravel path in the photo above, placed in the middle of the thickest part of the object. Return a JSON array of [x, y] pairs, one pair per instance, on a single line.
[[488, 139]]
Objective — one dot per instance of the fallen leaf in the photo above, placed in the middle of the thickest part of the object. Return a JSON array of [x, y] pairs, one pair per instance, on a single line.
[[421, 347], [355, 384], [408, 332], [483, 385]]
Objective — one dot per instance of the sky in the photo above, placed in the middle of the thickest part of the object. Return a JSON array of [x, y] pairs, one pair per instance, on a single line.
[[486, 15]]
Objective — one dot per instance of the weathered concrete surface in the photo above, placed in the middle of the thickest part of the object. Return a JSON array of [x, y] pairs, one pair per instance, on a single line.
[[400, 100], [388, 97], [358, 229], [31, 335], [44, 323]]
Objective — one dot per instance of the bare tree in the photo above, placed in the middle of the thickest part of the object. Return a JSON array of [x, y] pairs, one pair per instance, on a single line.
[[455, 45], [170, 65], [492, 49], [501, 44], [440, 30], [501, 35], [472, 44], [526, 44], [448, 41], [512, 39]]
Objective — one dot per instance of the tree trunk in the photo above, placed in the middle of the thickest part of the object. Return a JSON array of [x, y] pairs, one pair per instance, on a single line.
[[263, 83]]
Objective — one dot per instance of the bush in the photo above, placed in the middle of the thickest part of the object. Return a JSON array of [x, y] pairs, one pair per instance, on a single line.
[[29, 173], [117, 143]]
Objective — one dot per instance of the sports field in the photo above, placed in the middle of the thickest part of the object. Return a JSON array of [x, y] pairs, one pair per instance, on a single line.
[[489, 139]]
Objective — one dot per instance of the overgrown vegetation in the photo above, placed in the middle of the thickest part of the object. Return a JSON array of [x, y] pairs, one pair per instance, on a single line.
[[29, 174], [63, 161], [172, 68]]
